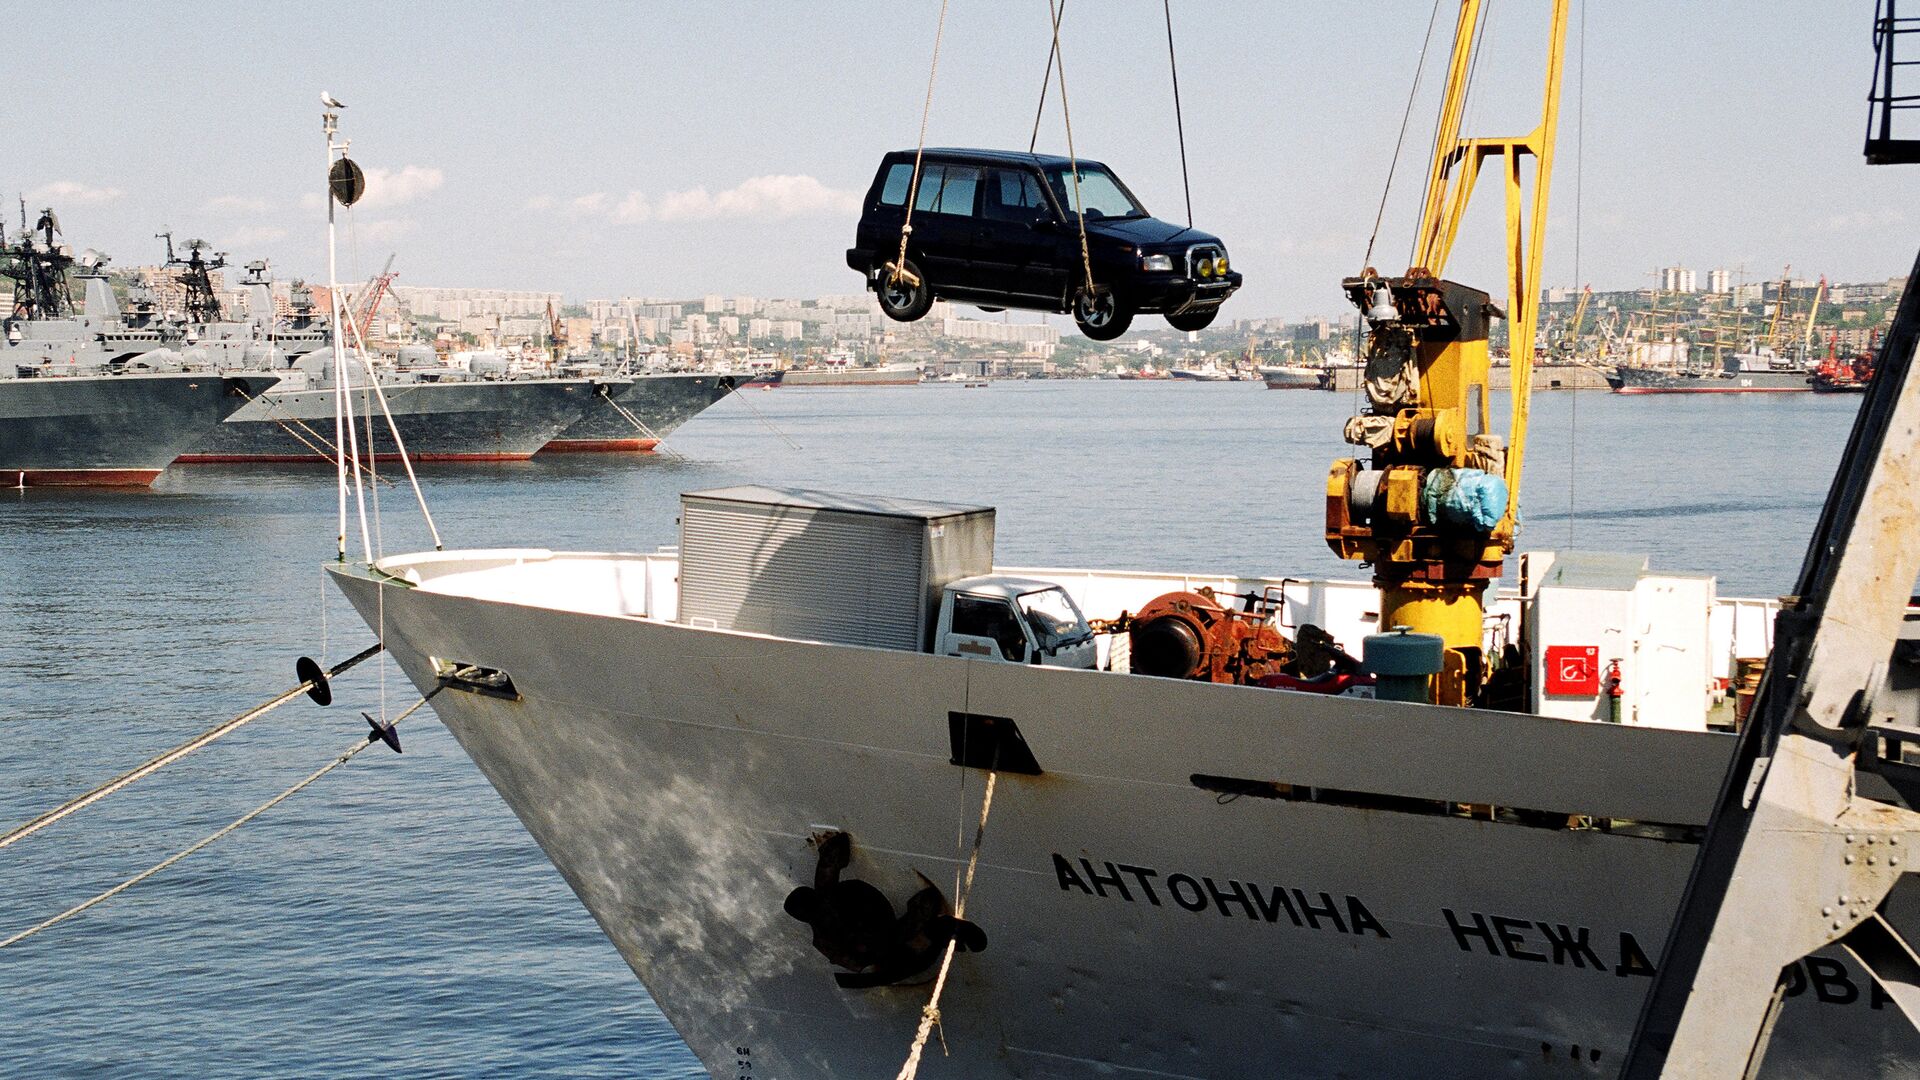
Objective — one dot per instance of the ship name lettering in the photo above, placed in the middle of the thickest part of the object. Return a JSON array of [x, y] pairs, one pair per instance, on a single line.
[[1227, 898], [1539, 942]]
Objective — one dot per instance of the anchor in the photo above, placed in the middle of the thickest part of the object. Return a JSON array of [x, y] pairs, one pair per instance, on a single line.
[[854, 924]]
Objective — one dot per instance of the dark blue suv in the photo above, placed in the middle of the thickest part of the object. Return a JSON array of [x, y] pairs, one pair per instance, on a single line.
[[997, 229]]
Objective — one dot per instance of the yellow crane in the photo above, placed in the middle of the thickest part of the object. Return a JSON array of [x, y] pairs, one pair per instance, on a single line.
[[1570, 344], [1813, 313], [1433, 509]]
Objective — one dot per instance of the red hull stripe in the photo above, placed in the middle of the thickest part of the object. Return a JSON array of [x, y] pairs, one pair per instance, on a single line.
[[599, 446], [315, 459], [79, 477]]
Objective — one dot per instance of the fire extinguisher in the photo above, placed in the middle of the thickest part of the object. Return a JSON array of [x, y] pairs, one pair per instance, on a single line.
[[1613, 691]]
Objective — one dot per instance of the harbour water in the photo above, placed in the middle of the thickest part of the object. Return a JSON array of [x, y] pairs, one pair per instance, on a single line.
[[394, 920]]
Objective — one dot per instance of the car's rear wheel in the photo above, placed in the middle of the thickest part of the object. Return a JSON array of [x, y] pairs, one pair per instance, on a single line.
[[1101, 313], [1193, 320], [901, 299]]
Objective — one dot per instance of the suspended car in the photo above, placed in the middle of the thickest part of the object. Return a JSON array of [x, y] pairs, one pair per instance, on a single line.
[[999, 229]]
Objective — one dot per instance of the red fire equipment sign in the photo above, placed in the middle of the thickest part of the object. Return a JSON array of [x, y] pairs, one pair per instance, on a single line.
[[1573, 669]]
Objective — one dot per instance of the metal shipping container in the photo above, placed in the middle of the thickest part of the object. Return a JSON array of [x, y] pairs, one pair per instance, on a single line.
[[823, 566]]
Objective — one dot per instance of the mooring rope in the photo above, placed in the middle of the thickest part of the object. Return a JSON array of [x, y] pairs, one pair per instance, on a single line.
[[205, 738], [659, 441], [930, 1014], [735, 391], [372, 737]]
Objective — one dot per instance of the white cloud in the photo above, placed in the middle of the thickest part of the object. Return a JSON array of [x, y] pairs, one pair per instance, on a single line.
[[392, 187], [383, 229], [632, 210], [758, 197], [62, 193], [1863, 220], [236, 204]]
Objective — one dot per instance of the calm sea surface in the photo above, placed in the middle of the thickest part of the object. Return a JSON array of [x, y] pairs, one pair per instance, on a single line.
[[394, 920]]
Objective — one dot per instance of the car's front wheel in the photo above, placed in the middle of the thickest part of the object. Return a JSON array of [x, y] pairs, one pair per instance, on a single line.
[[1101, 313], [1193, 320], [903, 297]]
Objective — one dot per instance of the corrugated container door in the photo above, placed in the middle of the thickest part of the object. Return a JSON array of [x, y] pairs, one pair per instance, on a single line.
[[803, 573]]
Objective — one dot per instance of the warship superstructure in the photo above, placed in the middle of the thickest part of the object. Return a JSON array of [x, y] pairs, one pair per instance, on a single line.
[[86, 398]]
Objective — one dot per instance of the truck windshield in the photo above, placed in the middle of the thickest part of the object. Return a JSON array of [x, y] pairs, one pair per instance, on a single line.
[[1100, 193], [1055, 621]]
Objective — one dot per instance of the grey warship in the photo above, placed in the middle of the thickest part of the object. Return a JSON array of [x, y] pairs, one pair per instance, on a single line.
[[82, 400], [640, 416]]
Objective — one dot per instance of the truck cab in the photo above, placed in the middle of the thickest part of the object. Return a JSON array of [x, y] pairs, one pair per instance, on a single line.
[[1015, 620]]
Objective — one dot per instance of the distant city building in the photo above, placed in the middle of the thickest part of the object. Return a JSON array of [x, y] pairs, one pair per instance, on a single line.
[[458, 304], [789, 329], [697, 324], [1719, 282], [730, 325], [745, 306], [1677, 279], [857, 325], [759, 329], [713, 304], [1012, 333]]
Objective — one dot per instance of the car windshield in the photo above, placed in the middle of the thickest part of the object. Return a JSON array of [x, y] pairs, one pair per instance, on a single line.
[[1055, 621], [1100, 193]]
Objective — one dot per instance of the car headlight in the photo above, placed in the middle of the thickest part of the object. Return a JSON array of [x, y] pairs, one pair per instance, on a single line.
[[1162, 264], [1203, 267], [1220, 266]]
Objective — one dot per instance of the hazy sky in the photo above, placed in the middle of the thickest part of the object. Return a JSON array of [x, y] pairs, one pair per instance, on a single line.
[[680, 149]]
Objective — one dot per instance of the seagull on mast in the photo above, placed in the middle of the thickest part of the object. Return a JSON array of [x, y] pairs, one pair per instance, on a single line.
[[330, 101]]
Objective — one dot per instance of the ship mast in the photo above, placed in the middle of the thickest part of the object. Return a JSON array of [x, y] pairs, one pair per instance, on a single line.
[[1433, 509]]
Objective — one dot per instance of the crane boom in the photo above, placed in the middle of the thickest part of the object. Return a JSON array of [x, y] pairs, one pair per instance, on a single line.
[[1428, 422]]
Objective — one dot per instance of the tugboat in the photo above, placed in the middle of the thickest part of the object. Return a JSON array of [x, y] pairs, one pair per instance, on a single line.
[[85, 400]]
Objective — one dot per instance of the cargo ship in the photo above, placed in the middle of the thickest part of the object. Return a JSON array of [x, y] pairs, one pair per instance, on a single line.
[[1294, 377], [1744, 373], [638, 417], [827, 774], [84, 399], [850, 375]]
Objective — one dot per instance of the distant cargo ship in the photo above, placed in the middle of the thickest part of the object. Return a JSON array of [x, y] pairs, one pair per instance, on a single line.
[[1293, 377], [641, 415], [849, 375], [1742, 374]]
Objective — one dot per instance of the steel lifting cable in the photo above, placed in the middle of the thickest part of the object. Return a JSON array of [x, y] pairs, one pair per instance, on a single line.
[[897, 268], [1054, 16], [930, 1013], [378, 734], [1419, 69], [205, 738], [1073, 160], [1579, 163], [1179, 124]]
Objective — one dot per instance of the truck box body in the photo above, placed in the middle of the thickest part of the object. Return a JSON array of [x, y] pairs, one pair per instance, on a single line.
[[822, 566]]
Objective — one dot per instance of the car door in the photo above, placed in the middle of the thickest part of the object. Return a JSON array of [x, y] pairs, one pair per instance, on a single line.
[[1017, 236], [943, 223]]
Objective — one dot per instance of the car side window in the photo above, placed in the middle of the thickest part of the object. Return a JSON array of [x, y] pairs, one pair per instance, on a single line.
[[1015, 195], [899, 179], [977, 616], [947, 189]]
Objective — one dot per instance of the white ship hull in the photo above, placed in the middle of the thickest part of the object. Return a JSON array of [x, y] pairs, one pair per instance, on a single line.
[[1138, 924]]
